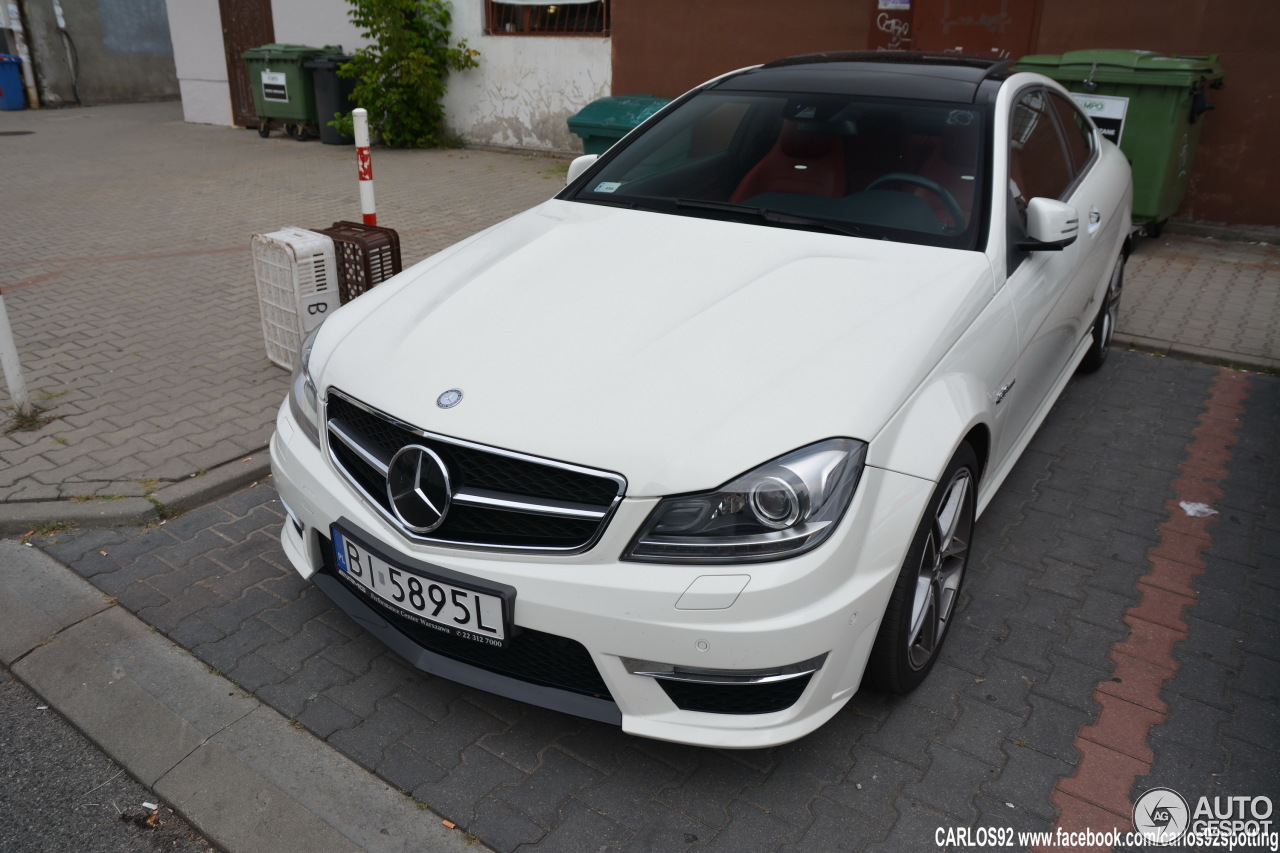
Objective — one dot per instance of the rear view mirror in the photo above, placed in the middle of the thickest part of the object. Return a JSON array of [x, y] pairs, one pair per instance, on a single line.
[[580, 165], [1052, 225]]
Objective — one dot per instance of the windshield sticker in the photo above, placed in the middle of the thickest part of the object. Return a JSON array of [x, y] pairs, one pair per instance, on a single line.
[[607, 186]]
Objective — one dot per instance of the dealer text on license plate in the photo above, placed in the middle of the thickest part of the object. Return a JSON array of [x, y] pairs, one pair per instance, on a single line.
[[435, 603]]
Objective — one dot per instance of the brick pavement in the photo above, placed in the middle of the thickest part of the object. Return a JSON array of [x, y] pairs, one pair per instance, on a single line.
[[129, 283], [984, 742], [1212, 300], [128, 278]]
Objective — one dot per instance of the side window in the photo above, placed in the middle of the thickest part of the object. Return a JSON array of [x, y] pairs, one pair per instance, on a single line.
[[1038, 165], [1077, 132]]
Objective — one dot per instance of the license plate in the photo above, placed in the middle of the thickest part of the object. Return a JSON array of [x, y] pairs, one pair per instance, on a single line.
[[464, 611]]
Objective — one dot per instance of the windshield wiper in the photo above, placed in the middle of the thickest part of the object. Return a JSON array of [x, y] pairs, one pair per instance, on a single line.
[[777, 217]]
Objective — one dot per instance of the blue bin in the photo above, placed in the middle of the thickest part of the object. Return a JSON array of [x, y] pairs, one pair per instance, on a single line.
[[11, 95]]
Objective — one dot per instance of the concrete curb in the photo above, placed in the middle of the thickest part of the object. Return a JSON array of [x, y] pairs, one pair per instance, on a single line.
[[18, 518], [233, 767], [1205, 355], [1224, 232]]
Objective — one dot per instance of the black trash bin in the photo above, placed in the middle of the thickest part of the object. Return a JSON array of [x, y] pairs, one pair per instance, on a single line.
[[333, 95]]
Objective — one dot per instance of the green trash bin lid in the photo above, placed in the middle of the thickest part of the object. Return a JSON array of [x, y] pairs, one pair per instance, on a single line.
[[1138, 67], [288, 52], [616, 115]]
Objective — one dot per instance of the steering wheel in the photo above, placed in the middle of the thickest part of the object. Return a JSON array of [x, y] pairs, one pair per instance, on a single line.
[[944, 195]]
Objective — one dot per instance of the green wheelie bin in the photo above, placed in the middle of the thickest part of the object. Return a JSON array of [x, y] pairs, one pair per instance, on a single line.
[[283, 90], [1150, 105], [606, 120]]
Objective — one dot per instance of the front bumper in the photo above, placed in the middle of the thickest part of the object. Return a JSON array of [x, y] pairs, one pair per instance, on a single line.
[[825, 605]]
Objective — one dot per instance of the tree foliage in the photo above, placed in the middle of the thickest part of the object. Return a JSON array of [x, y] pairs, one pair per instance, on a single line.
[[400, 76]]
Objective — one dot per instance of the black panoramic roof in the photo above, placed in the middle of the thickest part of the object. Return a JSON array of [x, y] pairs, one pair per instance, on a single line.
[[894, 74]]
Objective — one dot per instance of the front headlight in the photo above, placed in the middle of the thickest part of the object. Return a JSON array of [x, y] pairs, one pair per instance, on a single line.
[[781, 509], [304, 401]]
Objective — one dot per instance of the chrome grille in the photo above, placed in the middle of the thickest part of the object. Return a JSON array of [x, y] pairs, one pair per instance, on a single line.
[[500, 499]]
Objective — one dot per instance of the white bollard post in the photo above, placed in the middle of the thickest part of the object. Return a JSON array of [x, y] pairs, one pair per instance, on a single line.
[[9, 361], [364, 163]]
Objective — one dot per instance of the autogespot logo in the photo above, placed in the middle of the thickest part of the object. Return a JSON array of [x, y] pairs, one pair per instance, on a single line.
[[1161, 816]]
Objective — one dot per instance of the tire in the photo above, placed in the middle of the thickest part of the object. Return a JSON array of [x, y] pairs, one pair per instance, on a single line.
[[1104, 325], [301, 132], [264, 129], [922, 606]]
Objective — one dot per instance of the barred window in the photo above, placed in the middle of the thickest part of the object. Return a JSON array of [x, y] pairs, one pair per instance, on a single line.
[[535, 18]]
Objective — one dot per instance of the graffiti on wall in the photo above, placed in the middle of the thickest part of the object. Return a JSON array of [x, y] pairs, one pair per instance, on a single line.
[[897, 30]]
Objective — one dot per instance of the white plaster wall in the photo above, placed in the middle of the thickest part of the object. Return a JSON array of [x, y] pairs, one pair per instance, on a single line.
[[519, 97], [316, 23], [196, 30], [525, 87]]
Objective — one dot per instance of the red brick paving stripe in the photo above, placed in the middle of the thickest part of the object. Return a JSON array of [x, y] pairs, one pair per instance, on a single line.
[[1108, 782], [1123, 725], [1148, 641], [1113, 749], [1170, 575], [1162, 607], [1137, 681]]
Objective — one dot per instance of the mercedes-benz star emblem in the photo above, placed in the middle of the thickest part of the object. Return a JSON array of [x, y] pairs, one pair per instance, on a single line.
[[418, 488], [449, 398]]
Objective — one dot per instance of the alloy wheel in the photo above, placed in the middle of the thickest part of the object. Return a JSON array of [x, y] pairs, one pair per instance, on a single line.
[[942, 565]]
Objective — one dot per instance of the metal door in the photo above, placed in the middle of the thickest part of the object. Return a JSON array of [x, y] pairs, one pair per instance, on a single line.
[[245, 24]]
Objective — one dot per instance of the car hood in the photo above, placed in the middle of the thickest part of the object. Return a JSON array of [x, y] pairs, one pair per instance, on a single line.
[[676, 351]]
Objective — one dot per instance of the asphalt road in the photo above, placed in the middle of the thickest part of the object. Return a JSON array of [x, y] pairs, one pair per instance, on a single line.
[[60, 792]]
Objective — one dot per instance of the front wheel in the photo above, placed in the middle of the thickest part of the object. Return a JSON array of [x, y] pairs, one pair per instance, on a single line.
[[264, 129], [924, 598], [1104, 325]]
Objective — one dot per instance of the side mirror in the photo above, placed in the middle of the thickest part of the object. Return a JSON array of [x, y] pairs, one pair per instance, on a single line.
[[1052, 225], [580, 165]]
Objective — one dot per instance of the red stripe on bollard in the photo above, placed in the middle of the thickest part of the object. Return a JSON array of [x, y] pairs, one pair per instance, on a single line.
[[364, 165]]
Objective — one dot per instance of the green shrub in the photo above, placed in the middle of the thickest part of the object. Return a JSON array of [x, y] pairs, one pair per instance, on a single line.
[[400, 77]]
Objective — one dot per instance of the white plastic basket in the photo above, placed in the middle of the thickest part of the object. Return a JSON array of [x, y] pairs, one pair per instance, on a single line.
[[297, 286]]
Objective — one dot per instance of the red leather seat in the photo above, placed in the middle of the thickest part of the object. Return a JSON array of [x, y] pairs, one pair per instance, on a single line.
[[799, 162]]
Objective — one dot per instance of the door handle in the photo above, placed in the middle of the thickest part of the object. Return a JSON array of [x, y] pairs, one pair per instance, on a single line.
[[1095, 220]]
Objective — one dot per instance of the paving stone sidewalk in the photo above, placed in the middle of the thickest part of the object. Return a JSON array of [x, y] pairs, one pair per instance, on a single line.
[[128, 279], [127, 275], [982, 743]]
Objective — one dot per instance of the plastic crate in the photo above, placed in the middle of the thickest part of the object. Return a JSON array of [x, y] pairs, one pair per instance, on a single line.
[[297, 286], [366, 255]]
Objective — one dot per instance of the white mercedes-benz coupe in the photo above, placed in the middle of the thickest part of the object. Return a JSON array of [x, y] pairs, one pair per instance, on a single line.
[[697, 446]]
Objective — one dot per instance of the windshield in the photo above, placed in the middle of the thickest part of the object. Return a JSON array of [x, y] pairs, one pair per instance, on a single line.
[[910, 171]]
